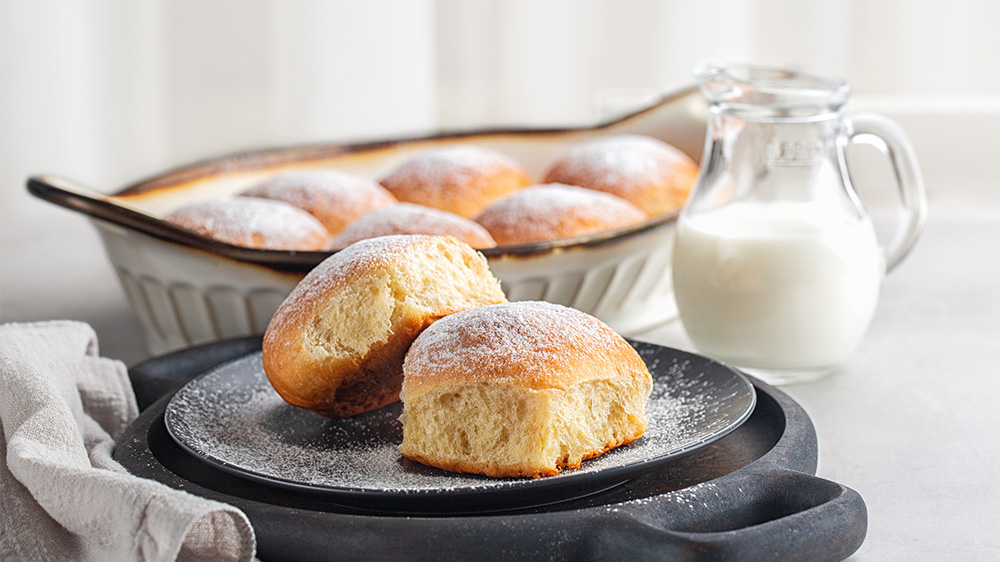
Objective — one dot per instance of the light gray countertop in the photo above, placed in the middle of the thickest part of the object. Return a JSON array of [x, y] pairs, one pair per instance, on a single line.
[[911, 421]]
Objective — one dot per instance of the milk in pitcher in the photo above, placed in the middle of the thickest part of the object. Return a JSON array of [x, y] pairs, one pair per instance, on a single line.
[[780, 285], [776, 264]]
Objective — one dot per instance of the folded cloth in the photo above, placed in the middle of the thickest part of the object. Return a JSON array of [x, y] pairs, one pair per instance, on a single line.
[[62, 495]]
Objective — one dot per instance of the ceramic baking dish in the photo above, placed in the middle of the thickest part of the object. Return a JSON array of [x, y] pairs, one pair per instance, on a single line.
[[186, 289]]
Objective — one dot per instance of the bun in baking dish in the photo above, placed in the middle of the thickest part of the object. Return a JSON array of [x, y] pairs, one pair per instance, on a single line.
[[553, 211], [253, 223], [408, 218], [335, 198], [520, 389], [461, 179], [336, 344], [653, 175]]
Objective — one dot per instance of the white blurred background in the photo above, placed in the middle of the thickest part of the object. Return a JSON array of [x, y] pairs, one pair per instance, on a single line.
[[108, 91]]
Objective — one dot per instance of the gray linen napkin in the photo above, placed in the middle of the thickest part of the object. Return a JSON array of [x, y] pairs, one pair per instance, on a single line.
[[62, 495]]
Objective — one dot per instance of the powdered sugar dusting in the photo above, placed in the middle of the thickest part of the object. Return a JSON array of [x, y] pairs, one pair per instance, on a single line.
[[363, 258], [232, 418], [653, 175], [335, 198], [622, 160], [553, 211], [408, 218], [461, 179], [523, 339], [251, 222], [365, 255], [451, 165], [307, 189]]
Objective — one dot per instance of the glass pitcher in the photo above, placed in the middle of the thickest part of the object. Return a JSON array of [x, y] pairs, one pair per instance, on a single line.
[[776, 266]]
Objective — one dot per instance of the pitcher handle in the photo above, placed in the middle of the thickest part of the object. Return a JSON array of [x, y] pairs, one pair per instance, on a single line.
[[889, 138]]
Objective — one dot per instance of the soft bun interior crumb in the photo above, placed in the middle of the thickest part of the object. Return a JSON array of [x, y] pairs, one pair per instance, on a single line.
[[337, 343], [520, 389]]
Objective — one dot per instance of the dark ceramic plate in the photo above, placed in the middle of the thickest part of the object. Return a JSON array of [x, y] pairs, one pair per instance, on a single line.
[[232, 419]]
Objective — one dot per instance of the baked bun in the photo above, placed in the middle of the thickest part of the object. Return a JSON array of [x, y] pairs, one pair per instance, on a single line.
[[335, 198], [253, 223], [552, 211], [408, 218], [520, 389], [460, 179], [650, 173], [336, 344]]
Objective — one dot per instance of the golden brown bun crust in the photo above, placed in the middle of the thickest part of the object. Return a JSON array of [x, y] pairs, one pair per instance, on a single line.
[[253, 223], [553, 211], [409, 218], [335, 198], [461, 179], [336, 344], [652, 174], [520, 389]]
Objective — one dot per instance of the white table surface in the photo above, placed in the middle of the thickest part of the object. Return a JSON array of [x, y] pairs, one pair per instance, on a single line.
[[912, 421]]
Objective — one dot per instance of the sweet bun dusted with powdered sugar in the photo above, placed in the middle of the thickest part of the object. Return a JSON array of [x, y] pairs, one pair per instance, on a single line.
[[335, 198], [653, 175], [409, 218], [253, 223], [554, 211], [520, 389], [336, 344], [461, 179]]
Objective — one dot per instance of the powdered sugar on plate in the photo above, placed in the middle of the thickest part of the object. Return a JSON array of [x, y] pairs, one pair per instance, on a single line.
[[232, 419]]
